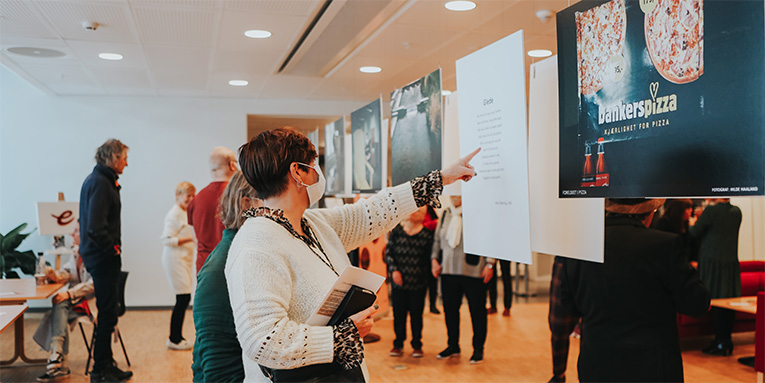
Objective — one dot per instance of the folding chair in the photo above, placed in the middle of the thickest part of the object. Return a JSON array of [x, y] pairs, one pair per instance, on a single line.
[[89, 319]]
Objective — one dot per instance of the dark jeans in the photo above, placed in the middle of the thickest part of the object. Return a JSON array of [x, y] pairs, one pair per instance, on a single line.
[[507, 286], [176, 320], [105, 281], [410, 302], [453, 288]]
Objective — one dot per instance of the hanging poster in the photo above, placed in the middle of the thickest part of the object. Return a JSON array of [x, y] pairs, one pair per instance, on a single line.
[[367, 151], [577, 223], [492, 116], [415, 128], [334, 157], [661, 98]]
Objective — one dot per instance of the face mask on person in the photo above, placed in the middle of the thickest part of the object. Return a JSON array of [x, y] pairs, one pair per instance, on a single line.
[[315, 191]]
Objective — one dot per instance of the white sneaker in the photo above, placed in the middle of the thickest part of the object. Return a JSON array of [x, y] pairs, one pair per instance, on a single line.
[[180, 346], [56, 360]]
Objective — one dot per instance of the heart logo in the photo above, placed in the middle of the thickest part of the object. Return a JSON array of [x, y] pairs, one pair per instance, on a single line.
[[654, 87]]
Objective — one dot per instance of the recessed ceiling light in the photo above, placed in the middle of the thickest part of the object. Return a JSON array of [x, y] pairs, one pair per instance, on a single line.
[[540, 53], [370, 69], [110, 56], [238, 83], [445, 92], [460, 5], [257, 34]]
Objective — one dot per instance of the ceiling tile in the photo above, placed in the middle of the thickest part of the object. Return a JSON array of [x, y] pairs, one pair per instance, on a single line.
[[256, 62], [18, 18], [285, 30], [285, 86], [174, 80], [126, 78], [219, 86], [175, 26], [87, 52], [165, 58], [67, 17], [282, 7], [203, 4], [65, 79]]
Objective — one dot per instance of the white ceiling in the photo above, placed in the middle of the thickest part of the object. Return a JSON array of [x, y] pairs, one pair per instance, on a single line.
[[192, 48]]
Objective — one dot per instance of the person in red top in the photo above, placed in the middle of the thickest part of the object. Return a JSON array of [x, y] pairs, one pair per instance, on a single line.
[[203, 209]]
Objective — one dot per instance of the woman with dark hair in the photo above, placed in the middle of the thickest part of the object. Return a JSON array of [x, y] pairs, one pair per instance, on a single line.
[[677, 213], [285, 259], [217, 355]]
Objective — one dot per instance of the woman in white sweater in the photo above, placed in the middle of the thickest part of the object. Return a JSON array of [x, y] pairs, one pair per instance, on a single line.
[[285, 258], [177, 259]]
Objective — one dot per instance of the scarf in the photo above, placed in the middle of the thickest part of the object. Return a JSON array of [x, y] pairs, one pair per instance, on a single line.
[[454, 230]]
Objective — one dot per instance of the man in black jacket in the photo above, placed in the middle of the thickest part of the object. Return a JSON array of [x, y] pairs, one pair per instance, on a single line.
[[100, 249], [629, 302]]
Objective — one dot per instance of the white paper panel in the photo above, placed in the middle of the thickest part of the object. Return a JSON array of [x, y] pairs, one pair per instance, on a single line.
[[451, 138], [492, 115], [571, 228]]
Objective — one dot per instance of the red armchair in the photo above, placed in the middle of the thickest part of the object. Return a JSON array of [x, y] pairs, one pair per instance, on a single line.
[[752, 282], [759, 335]]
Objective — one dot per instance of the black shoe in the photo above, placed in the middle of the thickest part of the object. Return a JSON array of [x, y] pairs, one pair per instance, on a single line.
[[104, 377], [116, 372], [719, 348], [448, 353], [434, 310], [477, 357], [557, 379], [53, 374]]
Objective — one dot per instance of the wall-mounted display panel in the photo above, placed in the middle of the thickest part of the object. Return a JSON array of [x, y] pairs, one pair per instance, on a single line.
[[662, 98]]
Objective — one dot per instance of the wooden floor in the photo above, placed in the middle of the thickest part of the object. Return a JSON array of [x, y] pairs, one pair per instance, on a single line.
[[517, 350]]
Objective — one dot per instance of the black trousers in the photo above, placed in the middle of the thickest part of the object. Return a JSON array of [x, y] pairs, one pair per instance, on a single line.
[[507, 286], [105, 281], [410, 302], [432, 291], [453, 288], [176, 319], [723, 321]]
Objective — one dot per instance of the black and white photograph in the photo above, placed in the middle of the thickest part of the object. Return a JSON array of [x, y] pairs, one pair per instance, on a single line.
[[334, 156], [366, 133], [416, 128]]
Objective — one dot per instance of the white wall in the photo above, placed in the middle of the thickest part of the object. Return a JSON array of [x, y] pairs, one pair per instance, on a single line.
[[47, 144]]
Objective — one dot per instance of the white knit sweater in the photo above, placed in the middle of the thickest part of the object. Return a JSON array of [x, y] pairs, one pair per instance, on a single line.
[[276, 282]]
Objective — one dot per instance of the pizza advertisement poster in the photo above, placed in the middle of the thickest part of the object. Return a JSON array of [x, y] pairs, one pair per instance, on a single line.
[[662, 98]]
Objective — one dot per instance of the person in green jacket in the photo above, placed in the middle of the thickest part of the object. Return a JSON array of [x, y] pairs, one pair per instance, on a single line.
[[217, 354]]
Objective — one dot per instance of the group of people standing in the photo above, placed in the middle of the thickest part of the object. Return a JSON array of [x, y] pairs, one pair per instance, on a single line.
[[414, 254], [265, 262]]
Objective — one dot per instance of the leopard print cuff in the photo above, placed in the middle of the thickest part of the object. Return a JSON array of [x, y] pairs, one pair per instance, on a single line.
[[349, 350], [427, 188]]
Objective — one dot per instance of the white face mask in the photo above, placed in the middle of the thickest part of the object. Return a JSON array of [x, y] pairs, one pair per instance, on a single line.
[[315, 191]]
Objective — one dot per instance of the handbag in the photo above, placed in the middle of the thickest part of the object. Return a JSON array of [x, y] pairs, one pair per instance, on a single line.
[[325, 372]]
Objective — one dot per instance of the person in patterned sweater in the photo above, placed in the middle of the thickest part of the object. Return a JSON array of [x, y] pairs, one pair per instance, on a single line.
[[408, 257]]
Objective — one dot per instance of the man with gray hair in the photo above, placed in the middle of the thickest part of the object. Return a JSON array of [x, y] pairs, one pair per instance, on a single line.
[[101, 249], [202, 210]]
